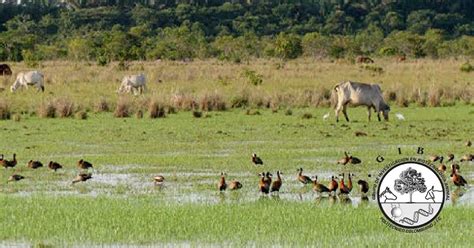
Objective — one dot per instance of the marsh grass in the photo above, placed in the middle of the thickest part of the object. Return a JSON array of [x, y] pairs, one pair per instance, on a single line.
[[300, 83], [120, 205], [267, 222], [123, 108]]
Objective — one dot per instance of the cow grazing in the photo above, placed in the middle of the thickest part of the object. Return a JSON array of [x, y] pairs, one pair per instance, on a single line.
[[25, 79], [364, 59], [135, 84], [5, 70], [358, 94]]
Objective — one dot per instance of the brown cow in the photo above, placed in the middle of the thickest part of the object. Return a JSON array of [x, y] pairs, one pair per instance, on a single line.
[[364, 59], [5, 70]]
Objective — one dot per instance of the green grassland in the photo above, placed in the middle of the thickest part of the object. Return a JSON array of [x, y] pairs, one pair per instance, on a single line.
[[120, 205]]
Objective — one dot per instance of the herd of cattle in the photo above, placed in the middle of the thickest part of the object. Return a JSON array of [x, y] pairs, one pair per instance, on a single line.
[[347, 93]]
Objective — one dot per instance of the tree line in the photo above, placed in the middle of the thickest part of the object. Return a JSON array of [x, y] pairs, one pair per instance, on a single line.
[[234, 30]]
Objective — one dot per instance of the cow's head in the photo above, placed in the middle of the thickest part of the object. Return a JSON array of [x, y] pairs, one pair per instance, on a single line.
[[385, 111]]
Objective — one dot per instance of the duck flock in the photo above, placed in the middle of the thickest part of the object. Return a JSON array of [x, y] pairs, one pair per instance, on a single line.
[[267, 184]]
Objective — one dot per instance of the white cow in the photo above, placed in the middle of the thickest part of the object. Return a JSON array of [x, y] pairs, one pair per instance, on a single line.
[[23, 79], [135, 84], [358, 94]]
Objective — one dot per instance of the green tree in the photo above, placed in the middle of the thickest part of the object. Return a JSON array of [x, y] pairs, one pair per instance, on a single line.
[[288, 46]]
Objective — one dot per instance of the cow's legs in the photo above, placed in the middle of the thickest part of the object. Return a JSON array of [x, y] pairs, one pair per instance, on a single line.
[[344, 111], [378, 112], [369, 113], [338, 110]]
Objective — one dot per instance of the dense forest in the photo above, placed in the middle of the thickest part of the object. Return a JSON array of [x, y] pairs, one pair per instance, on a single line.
[[119, 30]]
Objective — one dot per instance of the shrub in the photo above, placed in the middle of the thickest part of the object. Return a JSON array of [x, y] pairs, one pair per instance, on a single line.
[[289, 112], [102, 106], [240, 101], [210, 102], [46, 110], [197, 114], [17, 117], [252, 112], [467, 67], [122, 110], [81, 115], [252, 77], [157, 110], [64, 108], [307, 116], [183, 101], [4, 110], [139, 114]]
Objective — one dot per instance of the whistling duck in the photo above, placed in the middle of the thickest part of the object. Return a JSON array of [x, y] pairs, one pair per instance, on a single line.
[[15, 177], [262, 184], [468, 143], [268, 179], [363, 186], [302, 178], [54, 166], [5, 163], [317, 187], [82, 177], [354, 160], [442, 168], [159, 179], [332, 186], [457, 179], [276, 185], [222, 186], [256, 160], [344, 160], [235, 185], [84, 164], [434, 158], [34, 164], [349, 182], [342, 187], [450, 157], [467, 157]]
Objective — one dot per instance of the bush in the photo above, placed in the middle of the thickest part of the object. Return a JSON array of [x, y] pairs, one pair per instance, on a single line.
[[81, 115], [197, 114], [288, 46], [240, 101], [252, 77], [211, 102], [102, 106], [47, 110], [17, 117], [157, 110], [64, 108], [289, 112], [467, 67], [139, 114], [307, 116], [4, 110], [123, 109]]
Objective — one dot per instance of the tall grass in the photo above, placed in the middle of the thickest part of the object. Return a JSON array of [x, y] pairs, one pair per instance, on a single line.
[[197, 85]]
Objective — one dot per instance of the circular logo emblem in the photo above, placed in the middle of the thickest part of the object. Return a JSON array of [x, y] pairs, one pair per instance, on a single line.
[[411, 194]]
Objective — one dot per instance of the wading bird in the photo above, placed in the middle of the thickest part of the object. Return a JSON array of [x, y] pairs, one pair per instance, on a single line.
[[276, 185], [457, 179], [256, 160], [319, 188], [222, 185], [8, 163], [302, 178], [84, 164], [82, 177], [54, 166], [15, 177], [34, 164]]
